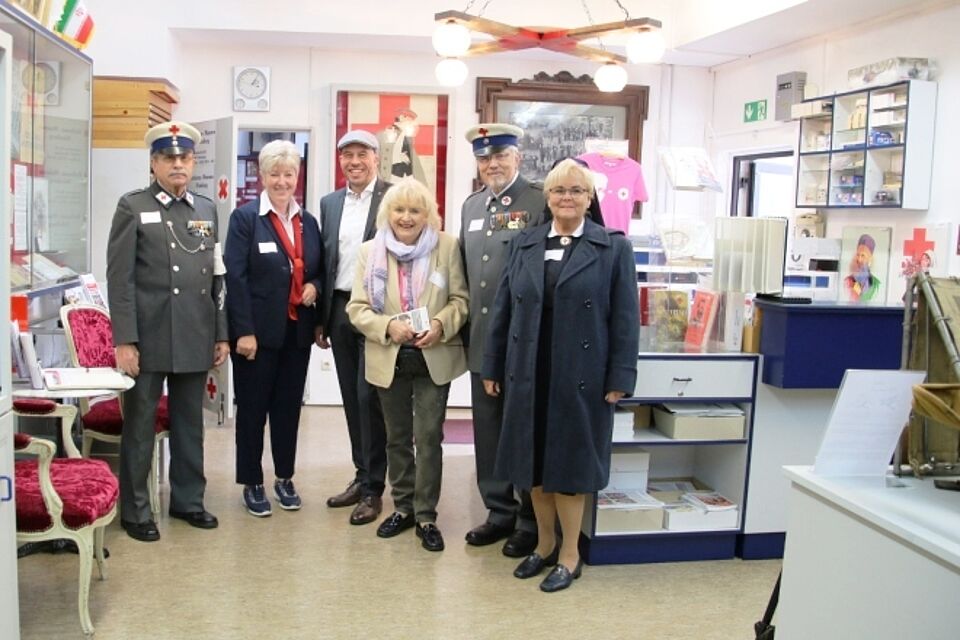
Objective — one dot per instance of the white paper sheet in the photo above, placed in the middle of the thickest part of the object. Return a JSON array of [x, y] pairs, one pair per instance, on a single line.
[[870, 412]]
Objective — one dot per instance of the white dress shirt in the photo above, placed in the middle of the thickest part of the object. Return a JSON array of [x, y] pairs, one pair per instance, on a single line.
[[356, 208]]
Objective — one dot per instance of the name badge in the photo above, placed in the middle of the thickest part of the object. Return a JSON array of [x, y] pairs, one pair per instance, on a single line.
[[149, 217], [269, 247], [475, 225], [437, 278], [553, 254]]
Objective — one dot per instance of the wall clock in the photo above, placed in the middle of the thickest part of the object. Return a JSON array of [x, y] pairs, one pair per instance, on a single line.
[[251, 88]]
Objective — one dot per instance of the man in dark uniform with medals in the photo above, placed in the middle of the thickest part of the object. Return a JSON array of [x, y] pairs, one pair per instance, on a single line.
[[490, 218], [165, 282]]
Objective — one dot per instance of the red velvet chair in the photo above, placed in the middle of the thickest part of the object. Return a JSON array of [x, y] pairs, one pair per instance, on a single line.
[[57, 498], [90, 339]]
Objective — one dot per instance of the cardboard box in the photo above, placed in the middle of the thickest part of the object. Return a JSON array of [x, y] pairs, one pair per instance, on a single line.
[[694, 427], [641, 416], [628, 520], [629, 470], [689, 518]]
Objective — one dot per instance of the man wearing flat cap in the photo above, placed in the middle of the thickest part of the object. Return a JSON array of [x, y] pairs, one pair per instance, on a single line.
[[348, 219], [490, 218], [165, 282]]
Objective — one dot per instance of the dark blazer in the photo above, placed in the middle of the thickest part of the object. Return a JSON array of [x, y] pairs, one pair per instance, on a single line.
[[331, 209], [258, 278], [163, 295], [596, 327]]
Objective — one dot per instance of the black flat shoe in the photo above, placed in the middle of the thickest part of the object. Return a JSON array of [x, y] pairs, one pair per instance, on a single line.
[[488, 533], [560, 578], [533, 564], [394, 524], [142, 531], [198, 519], [430, 537], [520, 543]]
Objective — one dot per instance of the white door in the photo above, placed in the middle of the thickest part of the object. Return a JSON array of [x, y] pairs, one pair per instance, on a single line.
[[9, 602]]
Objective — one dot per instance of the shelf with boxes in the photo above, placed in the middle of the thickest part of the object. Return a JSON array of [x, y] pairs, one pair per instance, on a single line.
[[679, 462], [857, 148]]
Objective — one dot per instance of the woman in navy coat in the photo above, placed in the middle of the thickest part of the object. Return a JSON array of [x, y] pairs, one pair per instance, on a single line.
[[274, 261], [562, 347]]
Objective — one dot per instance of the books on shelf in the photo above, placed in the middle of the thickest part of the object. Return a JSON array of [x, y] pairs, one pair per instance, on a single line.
[[83, 378], [708, 501], [702, 314], [668, 315]]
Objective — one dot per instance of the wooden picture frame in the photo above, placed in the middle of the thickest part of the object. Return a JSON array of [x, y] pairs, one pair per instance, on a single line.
[[377, 111], [563, 97]]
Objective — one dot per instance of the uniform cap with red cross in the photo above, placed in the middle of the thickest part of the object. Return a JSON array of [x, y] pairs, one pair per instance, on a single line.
[[172, 138], [492, 137]]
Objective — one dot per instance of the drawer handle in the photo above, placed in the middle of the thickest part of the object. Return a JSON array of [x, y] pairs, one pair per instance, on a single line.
[[8, 494], [682, 379]]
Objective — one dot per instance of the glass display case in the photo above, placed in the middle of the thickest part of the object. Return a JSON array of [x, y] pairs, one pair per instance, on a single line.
[[49, 157]]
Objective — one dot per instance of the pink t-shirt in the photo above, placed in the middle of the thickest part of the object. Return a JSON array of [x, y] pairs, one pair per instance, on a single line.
[[619, 183]]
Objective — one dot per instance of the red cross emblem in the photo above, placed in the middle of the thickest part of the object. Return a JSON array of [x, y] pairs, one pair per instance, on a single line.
[[914, 247], [482, 131], [211, 387], [174, 130], [222, 190]]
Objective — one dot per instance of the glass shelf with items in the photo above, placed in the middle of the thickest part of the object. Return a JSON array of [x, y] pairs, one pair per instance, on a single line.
[[813, 172], [815, 132], [883, 183], [849, 121], [888, 116], [846, 178]]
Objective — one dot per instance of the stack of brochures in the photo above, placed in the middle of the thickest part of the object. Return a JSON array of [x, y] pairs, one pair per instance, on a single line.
[[636, 499], [84, 378]]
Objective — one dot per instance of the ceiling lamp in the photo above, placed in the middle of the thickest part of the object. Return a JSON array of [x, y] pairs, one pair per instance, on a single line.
[[610, 78], [451, 72], [645, 47], [451, 40]]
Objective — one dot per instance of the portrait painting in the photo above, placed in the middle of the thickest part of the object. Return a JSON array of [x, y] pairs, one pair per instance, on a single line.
[[864, 265], [411, 131]]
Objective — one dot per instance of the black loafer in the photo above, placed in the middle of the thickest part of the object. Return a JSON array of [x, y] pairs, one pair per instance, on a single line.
[[560, 578], [520, 543], [198, 519], [394, 524], [488, 533], [430, 536], [142, 531], [533, 564]]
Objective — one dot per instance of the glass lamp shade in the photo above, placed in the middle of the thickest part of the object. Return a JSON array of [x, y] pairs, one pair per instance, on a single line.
[[645, 47], [610, 78], [451, 39], [451, 72]]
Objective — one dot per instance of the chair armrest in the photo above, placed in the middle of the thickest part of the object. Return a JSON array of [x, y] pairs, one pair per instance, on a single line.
[[45, 451]]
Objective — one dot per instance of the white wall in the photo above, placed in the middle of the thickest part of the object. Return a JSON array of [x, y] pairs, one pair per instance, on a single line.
[[930, 34]]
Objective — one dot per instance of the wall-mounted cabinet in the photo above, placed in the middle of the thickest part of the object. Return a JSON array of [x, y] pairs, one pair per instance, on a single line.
[[50, 156], [868, 148]]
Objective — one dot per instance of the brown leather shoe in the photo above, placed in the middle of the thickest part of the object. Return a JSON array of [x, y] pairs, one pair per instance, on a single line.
[[367, 510], [349, 497]]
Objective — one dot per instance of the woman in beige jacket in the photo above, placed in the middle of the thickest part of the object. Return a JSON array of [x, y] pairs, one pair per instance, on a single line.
[[410, 301]]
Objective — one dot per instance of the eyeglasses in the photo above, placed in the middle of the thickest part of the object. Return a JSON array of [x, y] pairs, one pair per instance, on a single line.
[[574, 192]]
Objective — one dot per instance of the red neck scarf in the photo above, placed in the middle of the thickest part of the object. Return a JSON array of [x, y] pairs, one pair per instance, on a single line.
[[295, 253]]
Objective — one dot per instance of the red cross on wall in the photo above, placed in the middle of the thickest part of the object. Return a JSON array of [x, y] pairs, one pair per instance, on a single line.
[[914, 247], [389, 105]]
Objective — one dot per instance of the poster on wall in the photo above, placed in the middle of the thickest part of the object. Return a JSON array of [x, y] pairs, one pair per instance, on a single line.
[[214, 168], [926, 249], [411, 129], [864, 264]]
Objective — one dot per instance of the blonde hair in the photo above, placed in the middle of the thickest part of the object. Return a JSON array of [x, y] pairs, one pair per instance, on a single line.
[[412, 193], [279, 152], [569, 169]]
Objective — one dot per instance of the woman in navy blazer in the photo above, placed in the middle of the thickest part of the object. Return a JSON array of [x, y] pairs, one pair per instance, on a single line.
[[274, 261]]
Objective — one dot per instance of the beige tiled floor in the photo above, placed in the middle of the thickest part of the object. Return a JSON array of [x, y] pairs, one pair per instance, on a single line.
[[310, 574]]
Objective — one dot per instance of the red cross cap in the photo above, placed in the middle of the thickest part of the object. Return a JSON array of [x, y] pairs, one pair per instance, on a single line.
[[172, 138], [492, 137]]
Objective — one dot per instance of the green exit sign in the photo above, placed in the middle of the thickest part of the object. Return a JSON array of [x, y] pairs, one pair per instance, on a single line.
[[755, 111]]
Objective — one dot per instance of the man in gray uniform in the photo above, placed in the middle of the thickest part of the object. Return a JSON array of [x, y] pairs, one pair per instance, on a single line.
[[490, 218], [165, 281]]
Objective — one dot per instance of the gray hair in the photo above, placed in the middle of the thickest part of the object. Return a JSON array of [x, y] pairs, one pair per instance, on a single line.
[[279, 152], [412, 193]]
